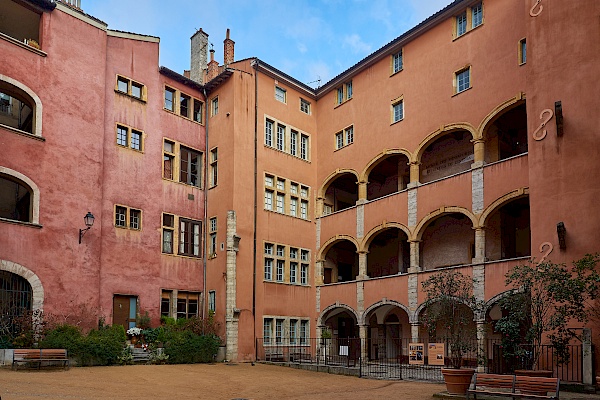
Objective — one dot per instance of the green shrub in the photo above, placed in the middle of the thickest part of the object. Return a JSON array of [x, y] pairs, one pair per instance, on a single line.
[[63, 337], [185, 347]]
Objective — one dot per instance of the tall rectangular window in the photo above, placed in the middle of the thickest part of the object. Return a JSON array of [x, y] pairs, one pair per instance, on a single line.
[[304, 106], [461, 24], [268, 200], [293, 331], [268, 269], [304, 274], [168, 225], [165, 303], [169, 99], [214, 172], [121, 216], [340, 95], [135, 219], [463, 80], [122, 135], [267, 330], [168, 159], [476, 15], [398, 111], [294, 207], [214, 106], [198, 110], [304, 147], [522, 51], [190, 167], [184, 105], [280, 270], [304, 209], [269, 133], [279, 331], [212, 301], [190, 237], [280, 137], [293, 272], [187, 304], [397, 62], [339, 140], [303, 332], [293, 142], [213, 236], [136, 140], [280, 203], [349, 90], [349, 135]]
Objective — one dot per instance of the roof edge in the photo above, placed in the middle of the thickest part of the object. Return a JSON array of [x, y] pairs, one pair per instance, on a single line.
[[180, 78]]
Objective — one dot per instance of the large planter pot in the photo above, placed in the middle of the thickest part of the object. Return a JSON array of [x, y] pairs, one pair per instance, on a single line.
[[457, 380]]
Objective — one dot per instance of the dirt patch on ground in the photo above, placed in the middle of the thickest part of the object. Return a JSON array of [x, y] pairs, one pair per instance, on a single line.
[[201, 381]]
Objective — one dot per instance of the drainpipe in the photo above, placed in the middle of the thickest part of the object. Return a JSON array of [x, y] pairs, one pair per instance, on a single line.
[[205, 190], [256, 61]]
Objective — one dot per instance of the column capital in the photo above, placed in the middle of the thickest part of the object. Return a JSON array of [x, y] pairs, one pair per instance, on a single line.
[[478, 140]]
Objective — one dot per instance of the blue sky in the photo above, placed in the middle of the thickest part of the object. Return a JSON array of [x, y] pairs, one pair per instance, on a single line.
[[305, 39]]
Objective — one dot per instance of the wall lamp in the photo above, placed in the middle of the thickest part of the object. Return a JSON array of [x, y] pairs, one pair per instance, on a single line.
[[89, 221]]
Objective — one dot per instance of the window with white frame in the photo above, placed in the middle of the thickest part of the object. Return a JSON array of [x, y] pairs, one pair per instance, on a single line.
[[293, 331], [279, 257], [280, 203], [280, 137], [304, 147], [468, 19], [304, 274], [283, 197], [294, 207], [279, 331], [304, 106], [349, 132], [398, 110], [280, 94], [129, 137], [463, 79], [268, 269], [280, 271], [344, 137], [293, 272], [304, 209], [267, 330], [214, 106], [127, 217], [304, 331], [397, 62], [213, 237], [212, 301], [190, 237], [476, 15], [287, 139], [269, 133], [269, 180], [293, 143], [280, 184], [269, 200], [461, 23], [344, 93], [214, 171]]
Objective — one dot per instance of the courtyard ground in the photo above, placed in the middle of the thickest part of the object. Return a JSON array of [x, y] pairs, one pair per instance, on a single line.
[[202, 381]]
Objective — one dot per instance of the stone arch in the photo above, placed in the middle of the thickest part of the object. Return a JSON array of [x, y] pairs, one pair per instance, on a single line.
[[36, 284], [328, 244], [491, 302], [418, 153], [331, 177], [384, 302], [35, 191], [364, 245], [363, 177], [515, 194], [423, 305], [332, 307], [498, 111], [37, 102], [418, 232]]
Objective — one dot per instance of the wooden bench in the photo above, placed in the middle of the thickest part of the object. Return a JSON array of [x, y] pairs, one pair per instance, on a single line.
[[39, 356], [515, 387], [273, 354]]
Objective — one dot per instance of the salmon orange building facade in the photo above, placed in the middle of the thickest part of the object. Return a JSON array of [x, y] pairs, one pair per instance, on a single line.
[[465, 143]]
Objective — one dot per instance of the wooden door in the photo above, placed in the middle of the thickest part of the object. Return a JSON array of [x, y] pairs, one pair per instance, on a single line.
[[123, 310]]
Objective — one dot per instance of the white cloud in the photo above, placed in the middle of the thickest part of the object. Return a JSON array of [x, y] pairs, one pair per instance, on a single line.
[[302, 48], [356, 45]]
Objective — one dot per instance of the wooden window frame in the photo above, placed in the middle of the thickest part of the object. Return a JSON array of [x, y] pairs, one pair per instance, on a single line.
[[129, 131], [130, 84], [176, 156], [177, 104], [128, 215]]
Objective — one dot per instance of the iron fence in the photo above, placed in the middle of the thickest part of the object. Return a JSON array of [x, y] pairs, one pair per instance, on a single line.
[[391, 358]]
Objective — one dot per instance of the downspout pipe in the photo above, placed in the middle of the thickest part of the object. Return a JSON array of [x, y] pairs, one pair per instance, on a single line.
[[256, 61], [205, 190]]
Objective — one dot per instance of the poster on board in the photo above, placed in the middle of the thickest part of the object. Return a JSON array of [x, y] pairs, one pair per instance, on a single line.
[[416, 353], [435, 352]]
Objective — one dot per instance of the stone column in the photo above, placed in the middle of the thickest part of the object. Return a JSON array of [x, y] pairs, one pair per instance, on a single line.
[[588, 378], [362, 265], [479, 246], [232, 314], [414, 332], [319, 206], [478, 152], [414, 256], [481, 345], [319, 265], [362, 192], [363, 332], [414, 173]]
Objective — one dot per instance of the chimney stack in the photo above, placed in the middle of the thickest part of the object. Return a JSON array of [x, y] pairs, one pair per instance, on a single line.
[[228, 47], [198, 56], [213, 67]]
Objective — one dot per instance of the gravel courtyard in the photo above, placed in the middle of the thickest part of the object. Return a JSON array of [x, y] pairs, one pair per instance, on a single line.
[[201, 381]]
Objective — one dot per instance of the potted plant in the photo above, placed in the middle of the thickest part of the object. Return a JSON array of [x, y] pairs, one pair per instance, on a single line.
[[449, 312], [545, 298], [134, 333]]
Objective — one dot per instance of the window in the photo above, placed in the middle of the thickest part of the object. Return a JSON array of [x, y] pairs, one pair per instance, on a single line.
[[293, 331], [131, 88], [165, 303], [303, 332], [463, 80], [269, 133], [469, 19], [304, 191], [268, 269], [17, 201], [304, 255], [280, 251], [293, 143], [280, 184], [269, 180], [129, 137], [476, 15], [198, 105], [293, 272], [280, 270], [267, 330], [214, 106], [293, 253], [268, 200], [212, 301], [187, 304], [522, 51], [304, 209], [280, 203], [168, 228], [184, 105], [279, 331], [269, 248], [126, 217], [294, 207], [190, 237], [280, 94], [281, 137], [398, 111], [214, 171], [304, 274], [344, 138], [21, 23], [304, 106], [213, 236], [344, 93], [18, 109], [190, 166], [304, 147], [294, 188], [461, 24], [397, 62], [169, 99]]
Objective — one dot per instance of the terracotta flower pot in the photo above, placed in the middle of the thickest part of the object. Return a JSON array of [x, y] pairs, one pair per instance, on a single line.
[[457, 380]]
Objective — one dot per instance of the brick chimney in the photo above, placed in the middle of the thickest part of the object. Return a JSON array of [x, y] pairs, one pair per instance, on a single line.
[[198, 55], [228, 46], [213, 67]]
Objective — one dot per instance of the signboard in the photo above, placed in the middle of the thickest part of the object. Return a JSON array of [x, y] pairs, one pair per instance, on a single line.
[[416, 353], [435, 351]]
